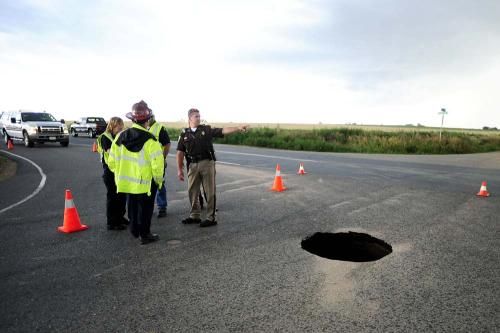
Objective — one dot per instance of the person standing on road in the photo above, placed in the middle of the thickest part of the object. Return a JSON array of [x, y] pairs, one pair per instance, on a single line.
[[136, 158], [195, 144], [160, 133], [115, 202]]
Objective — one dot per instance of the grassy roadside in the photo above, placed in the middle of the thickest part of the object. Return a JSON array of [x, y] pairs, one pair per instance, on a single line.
[[383, 128], [364, 141], [358, 138], [7, 168]]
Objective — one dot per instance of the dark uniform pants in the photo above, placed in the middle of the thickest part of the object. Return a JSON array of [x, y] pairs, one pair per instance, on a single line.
[[202, 173], [140, 211], [115, 202]]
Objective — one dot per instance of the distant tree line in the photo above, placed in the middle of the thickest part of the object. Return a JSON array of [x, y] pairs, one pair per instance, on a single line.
[[486, 128]]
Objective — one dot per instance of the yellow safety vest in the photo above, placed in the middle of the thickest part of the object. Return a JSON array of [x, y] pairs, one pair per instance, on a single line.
[[134, 171], [100, 150], [155, 129]]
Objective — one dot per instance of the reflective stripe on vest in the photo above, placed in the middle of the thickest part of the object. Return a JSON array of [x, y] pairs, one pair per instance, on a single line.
[[155, 154], [140, 160], [135, 180]]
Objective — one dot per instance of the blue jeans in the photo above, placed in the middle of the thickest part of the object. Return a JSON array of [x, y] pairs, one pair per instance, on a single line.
[[161, 197]]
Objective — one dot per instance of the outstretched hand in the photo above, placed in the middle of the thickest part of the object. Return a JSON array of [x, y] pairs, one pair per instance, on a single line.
[[180, 174]]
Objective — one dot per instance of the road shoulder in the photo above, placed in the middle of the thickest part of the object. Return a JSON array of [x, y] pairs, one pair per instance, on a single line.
[[8, 168]]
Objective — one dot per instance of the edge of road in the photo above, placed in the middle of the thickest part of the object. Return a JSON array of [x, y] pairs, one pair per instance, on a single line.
[[36, 191], [8, 168]]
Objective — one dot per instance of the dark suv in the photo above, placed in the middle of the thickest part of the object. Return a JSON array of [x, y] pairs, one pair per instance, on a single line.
[[91, 126]]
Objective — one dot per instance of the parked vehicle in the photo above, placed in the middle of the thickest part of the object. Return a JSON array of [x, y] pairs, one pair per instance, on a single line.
[[33, 127], [91, 126]]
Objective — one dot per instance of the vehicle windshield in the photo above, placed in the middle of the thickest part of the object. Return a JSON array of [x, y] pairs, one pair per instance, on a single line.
[[96, 120], [37, 116]]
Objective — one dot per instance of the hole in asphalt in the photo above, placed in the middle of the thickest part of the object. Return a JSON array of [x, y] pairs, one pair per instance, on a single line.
[[346, 246]]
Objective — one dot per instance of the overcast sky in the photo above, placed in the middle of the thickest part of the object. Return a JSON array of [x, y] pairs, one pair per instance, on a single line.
[[287, 61]]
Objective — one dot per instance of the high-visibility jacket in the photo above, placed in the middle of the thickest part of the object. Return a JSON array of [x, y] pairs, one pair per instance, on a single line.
[[100, 150], [155, 129], [134, 171]]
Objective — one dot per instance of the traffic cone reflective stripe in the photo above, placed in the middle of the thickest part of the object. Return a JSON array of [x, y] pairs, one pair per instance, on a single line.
[[483, 192], [301, 169], [94, 147], [278, 182], [10, 146], [71, 221], [69, 204]]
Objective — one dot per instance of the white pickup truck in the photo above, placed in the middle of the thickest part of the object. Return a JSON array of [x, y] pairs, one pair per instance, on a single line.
[[91, 126], [33, 127]]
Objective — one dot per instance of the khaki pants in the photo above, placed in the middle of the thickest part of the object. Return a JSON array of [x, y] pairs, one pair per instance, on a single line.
[[202, 173]]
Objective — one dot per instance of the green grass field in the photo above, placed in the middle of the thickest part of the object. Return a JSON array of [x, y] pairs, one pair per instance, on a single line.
[[385, 128], [358, 138]]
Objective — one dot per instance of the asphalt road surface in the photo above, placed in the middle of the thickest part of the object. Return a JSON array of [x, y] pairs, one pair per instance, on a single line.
[[249, 273]]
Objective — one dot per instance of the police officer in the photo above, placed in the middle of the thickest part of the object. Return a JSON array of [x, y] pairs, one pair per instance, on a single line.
[[161, 134], [195, 144], [115, 202], [136, 158]]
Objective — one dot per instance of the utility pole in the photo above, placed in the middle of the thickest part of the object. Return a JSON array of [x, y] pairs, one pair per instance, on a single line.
[[442, 113]]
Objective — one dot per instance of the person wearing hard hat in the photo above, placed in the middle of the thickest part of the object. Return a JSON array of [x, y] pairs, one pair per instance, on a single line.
[[115, 202], [161, 134], [195, 144], [136, 158]]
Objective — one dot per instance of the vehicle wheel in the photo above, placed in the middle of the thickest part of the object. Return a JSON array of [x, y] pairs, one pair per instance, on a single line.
[[27, 141], [91, 133], [73, 132], [5, 137], [64, 143]]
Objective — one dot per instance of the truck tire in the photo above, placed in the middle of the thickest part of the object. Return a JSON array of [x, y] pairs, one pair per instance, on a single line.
[[64, 143], [27, 141], [91, 133], [73, 132]]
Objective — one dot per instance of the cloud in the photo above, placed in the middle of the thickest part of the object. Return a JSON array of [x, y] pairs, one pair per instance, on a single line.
[[391, 62]]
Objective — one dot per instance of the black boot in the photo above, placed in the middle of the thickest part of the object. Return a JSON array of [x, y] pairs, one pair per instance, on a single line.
[[150, 238], [162, 212]]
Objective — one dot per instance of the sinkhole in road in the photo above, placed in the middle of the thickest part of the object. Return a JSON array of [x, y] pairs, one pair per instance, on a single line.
[[346, 246]]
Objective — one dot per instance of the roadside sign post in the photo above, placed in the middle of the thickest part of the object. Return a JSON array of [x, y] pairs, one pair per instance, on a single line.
[[442, 113]]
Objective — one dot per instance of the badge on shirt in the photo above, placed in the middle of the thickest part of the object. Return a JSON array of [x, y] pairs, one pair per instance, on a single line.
[[202, 132]]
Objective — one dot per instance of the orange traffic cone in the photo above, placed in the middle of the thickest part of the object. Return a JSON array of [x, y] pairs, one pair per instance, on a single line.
[[301, 169], [94, 147], [71, 219], [10, 146], [278, 182], [483, 192]]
